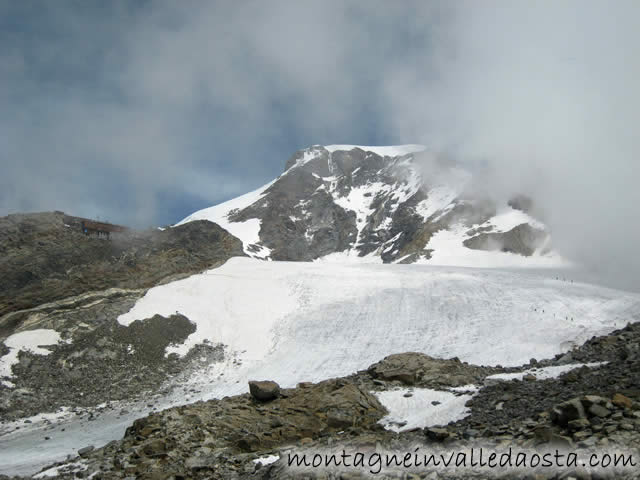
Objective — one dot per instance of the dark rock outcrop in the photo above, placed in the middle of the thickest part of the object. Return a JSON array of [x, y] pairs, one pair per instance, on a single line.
[[42, 260], [523, 240], [418, 369]]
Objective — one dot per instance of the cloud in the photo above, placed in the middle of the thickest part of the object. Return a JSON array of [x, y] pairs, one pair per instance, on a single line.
[[133, 99], [141, 112], [545, 93]]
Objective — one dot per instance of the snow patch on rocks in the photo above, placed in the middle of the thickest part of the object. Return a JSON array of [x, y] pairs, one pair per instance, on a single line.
[[540, 373], [420, 408], [32, 341]]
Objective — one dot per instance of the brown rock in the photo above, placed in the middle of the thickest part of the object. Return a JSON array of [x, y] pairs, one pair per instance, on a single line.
[[621, 401]]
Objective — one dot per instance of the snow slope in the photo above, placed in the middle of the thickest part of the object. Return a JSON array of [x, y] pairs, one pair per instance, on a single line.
[[294, 321], [448, 249], [247, 231]]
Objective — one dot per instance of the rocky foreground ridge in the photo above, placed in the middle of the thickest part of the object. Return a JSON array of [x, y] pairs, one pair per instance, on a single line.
[[587, 408]]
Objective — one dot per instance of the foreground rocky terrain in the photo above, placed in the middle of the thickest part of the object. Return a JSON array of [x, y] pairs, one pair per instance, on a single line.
[[585, 409]]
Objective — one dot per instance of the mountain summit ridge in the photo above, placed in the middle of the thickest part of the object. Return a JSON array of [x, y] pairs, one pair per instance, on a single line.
[[393, 204]]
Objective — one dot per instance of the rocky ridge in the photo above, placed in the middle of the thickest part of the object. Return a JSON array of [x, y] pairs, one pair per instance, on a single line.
[[374, 202], [44, 259]]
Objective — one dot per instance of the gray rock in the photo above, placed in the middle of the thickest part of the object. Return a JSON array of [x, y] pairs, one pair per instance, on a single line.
[[437, 434], [599, 411], [523, 239], [567, 411], [83, 452], [339, 419], [579, 424], [264, 390]]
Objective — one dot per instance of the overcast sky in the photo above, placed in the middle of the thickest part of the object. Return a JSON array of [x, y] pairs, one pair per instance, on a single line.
[[141, 112]]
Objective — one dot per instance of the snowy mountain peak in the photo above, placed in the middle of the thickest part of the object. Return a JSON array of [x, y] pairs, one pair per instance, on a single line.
[[383, 151], [396, 204], [325, 153]]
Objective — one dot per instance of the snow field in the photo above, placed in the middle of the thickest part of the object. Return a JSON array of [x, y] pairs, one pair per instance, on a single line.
[[293, 321]]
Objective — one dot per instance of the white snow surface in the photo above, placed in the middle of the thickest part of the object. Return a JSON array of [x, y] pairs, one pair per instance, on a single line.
[[438, 199], [383, 151], [295, 321], [248, 231], [349, 256], [418, 411], [448, 249], [31, 341], [267, 460], [509, 218], [542, 373], [73, 467]]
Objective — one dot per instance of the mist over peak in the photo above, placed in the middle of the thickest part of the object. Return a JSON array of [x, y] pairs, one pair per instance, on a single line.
[[142, 113]]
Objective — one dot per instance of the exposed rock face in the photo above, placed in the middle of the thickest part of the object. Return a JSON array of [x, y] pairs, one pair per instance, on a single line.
[[367, 202], [418, 369], [43, 260], [523, 240]]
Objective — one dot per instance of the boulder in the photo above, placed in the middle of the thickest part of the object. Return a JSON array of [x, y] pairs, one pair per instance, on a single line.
[[437, 434], [563, 413], [418, 369], [83, 452], [621, 401], [599, 411], [264, 390]]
